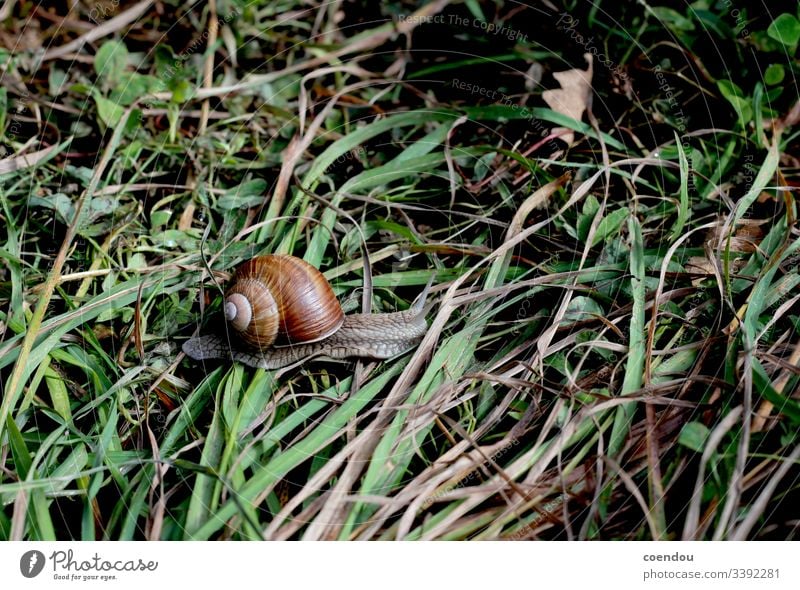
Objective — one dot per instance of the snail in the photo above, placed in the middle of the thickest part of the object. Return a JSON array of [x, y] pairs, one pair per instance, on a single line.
[[281, 310]]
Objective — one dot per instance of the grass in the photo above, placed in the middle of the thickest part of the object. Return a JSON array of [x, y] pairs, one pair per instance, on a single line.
[[613, 348]]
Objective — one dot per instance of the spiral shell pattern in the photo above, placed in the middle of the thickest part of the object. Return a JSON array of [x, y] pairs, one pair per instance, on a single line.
[[281, 300]]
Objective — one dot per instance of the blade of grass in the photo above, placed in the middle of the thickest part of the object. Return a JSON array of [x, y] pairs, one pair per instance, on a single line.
[[683, 203], [634, 365]]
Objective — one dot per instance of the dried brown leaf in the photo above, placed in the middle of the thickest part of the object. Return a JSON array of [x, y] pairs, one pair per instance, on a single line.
[[574, 96]]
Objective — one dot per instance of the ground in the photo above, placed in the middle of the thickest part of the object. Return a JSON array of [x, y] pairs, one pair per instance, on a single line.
[[603, 198]]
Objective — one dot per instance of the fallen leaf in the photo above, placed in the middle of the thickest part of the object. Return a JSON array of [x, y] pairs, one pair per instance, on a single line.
[[574, 96], [745, 238], [699, 265]]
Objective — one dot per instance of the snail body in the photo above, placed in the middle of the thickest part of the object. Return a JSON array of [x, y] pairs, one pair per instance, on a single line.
[[281, 310]]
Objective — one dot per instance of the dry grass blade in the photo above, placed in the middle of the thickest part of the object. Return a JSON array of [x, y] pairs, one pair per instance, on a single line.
[[15, 163], [756, 511], [100, 31]]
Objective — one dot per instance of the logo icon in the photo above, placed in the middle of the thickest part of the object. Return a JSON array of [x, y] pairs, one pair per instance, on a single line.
[[31, 563]]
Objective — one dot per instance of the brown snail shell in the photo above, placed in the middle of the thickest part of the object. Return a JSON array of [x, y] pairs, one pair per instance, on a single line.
[[281, 300]]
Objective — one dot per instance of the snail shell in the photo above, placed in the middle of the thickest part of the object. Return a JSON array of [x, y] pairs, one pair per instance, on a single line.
[[281, 300]]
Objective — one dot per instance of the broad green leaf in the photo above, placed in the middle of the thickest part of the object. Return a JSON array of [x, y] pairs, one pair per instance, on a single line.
[[57, 81], [110, 61], [248, 194], [785, 29], [694, 436], [734, 95], [109, 111], [610, 225], [673, 19], [774, 74], [580, 309], [132, 86]]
